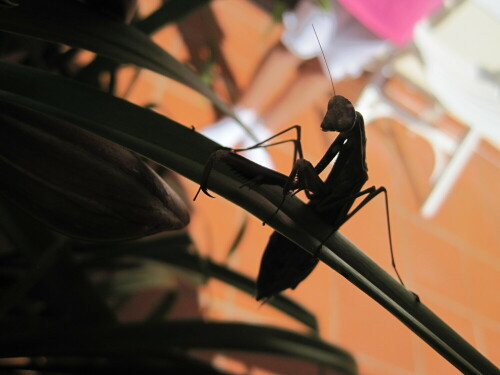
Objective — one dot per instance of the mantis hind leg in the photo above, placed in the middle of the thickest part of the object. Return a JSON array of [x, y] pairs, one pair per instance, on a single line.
[[297, 152], [229, 155], [255, 173], [371, 193], [216, 155]]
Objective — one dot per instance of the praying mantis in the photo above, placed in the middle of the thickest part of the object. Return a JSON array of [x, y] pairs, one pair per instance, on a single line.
[[284, 264]]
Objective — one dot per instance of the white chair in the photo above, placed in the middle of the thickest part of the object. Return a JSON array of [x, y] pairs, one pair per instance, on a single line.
[[462, 88]]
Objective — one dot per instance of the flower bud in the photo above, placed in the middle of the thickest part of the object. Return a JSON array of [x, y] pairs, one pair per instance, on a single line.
[[81, 184]]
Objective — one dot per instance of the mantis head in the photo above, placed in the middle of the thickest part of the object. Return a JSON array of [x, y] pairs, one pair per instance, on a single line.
[[340, 115]]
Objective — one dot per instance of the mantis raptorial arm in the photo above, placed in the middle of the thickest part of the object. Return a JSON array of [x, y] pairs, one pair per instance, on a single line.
[[330, 154]]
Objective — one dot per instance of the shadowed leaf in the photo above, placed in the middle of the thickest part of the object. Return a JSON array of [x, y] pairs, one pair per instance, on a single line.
[[78, 25]]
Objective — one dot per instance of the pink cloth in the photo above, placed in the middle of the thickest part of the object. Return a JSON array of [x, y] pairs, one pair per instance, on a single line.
[[393, 20]]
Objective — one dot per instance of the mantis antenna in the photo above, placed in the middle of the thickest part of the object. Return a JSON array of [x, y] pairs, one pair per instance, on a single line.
[[324, 58]]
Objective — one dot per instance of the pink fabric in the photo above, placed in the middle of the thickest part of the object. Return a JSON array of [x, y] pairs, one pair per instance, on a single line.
[[393, 20]]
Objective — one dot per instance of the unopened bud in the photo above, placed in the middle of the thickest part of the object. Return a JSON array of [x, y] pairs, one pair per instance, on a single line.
[[81, 184]]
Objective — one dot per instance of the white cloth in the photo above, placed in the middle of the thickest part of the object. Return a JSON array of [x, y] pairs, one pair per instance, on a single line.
[[230, 134], [227, 131], [348, 45], [298, 35]]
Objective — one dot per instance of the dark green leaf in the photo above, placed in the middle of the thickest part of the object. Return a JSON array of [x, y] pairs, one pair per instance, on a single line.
[[114, 364], [172, 250], [78, 25], [155, 134], [159, 339]]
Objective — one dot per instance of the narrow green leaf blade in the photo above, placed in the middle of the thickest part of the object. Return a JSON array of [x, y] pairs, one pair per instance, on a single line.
[[158, 339], [171, 250], [156, 136], [78, 25]]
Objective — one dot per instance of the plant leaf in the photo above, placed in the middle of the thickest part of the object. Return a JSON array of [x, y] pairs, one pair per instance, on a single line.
[[172, 250], [78, 25], [155, 340]]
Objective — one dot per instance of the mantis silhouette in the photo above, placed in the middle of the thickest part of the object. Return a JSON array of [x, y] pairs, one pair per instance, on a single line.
[[284, 264]]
